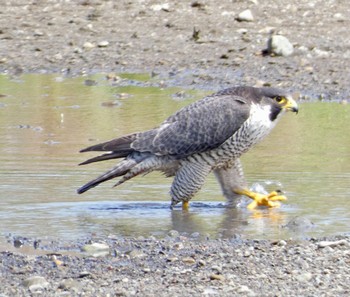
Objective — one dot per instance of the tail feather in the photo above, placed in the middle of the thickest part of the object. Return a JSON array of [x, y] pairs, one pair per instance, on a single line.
[[122, 168], [113, 155], [115, 145]]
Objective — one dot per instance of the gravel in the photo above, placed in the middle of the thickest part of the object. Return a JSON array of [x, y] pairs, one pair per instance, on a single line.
[[201, 44], [180, 266]]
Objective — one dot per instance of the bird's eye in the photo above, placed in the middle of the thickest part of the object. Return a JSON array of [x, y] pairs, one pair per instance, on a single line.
[[279, 99]]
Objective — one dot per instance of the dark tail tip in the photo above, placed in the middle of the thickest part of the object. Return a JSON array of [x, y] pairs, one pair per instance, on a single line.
[[81, 190], [85, 188]]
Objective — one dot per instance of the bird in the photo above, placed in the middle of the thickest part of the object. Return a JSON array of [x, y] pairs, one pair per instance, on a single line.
[[208, 135]]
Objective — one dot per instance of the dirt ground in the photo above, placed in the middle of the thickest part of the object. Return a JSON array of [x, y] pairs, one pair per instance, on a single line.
[[191, 44], [198, 43]]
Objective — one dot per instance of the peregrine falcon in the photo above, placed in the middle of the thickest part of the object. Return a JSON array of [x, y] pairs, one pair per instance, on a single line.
[[208, 135]]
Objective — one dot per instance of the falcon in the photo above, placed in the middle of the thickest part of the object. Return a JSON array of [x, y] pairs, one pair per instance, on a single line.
[[206, 136]]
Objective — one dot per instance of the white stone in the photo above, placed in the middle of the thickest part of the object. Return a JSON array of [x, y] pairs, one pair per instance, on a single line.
[[88, 45], [245, 16], [159, 7], [280, 46], [104, 43], [35, 283]]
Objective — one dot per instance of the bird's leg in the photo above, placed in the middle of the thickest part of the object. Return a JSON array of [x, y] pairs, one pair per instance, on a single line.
[[270, 200], [229, 178], [234, 186], [188, 180], [185, 205]]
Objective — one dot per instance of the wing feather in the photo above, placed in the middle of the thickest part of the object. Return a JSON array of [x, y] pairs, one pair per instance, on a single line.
[[198, 127], [201, 126]]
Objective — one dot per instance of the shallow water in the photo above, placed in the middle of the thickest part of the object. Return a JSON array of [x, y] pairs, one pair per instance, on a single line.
[[46, 119]]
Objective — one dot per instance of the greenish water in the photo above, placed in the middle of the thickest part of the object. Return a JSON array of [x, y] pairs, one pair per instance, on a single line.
[[46, 119]]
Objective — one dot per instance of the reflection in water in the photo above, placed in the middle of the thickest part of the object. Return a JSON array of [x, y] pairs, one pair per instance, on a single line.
[[46, 119]]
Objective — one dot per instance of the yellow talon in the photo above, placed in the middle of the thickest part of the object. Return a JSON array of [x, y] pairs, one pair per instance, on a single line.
[[269, 200]]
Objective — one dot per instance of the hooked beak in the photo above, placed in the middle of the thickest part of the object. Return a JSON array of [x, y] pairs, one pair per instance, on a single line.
[[291, 105]]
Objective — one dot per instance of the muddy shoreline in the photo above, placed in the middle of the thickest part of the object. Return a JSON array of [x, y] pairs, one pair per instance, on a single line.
[[177, 265], [197, 44]]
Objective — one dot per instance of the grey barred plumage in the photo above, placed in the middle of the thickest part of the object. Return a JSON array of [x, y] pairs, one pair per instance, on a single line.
[[207, 135]]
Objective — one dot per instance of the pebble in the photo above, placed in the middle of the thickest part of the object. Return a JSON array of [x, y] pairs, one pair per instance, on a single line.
[[104, 43], [246, 290], [298, 224], [172, 259], [178, 246], [242, 31], [320, 53], [70, 285], [90, 82], [38, 33], [123, 95], [304, 277], [279, 46], [218, 277], [245, 16], [78, 50], [111, 103], [173, 233], [210, 292], [323, 244], [88, 45], [96, 249], [247, 254], [159, 7], [56, 261], [135, 253], [189, 260], [35, 283], [339, 17], [84, 274], [282, 243], [18, 243]]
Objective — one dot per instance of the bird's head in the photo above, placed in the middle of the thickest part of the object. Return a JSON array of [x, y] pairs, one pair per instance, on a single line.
[[278, 100], [281, 99], [287, 102]]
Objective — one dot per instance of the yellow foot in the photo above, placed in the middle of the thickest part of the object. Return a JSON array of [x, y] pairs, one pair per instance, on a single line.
[[185, 205], [269, 200]]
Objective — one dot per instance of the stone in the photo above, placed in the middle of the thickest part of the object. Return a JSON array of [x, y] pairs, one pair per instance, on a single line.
[[320, 53], [304, 277], [218, 277], [171, 259], [178, 246], [247, 253], [136, 253], [279, 46], [159, 7], [173, 233], [282, 243], [323, 244], [70, 285], [245, 16], [96, 249], [35, 283], [104, 43], [88, 45], [189, 260], [246, 291]]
